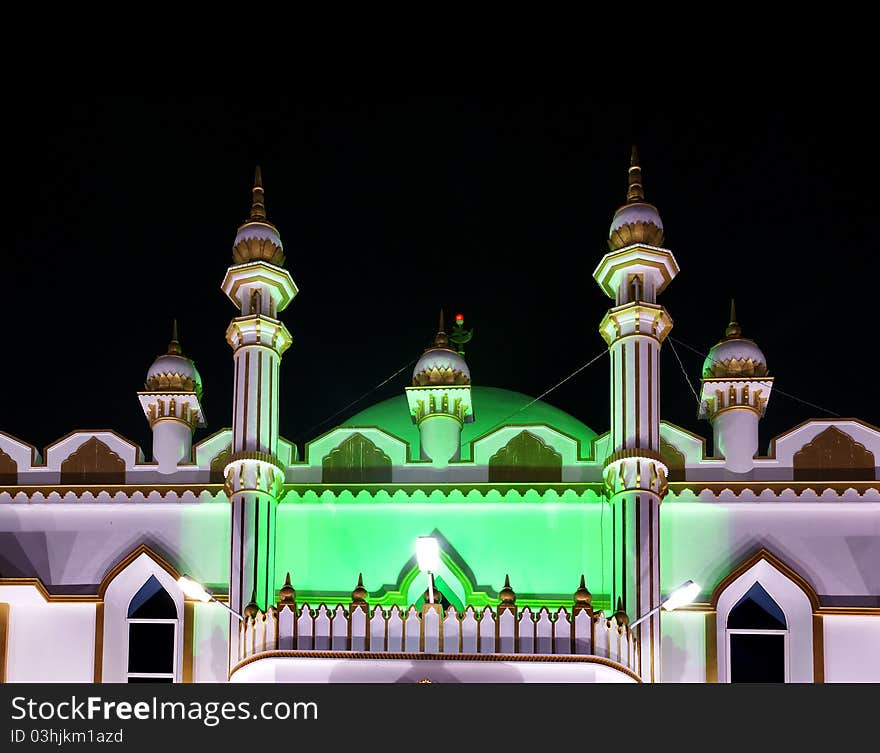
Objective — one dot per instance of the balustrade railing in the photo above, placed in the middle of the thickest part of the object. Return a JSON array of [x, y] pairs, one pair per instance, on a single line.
[[506, 629]]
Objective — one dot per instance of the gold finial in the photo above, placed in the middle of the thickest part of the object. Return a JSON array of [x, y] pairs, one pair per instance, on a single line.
[[507, 594], [733, 329], [583, 597], [258, 207], [287, 594], [635, 193], [251, 609], [174, 346], [358, 596], [620, 614], [441, 339]]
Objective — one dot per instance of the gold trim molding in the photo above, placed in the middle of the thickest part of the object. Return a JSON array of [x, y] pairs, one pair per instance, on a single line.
[[4, 639]]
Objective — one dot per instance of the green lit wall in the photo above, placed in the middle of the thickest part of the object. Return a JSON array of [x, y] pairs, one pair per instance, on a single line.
[[543, 545]]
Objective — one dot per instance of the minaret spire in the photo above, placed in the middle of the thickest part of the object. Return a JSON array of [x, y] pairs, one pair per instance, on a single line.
[[733, 329], [442, 339], [174, 346], [635, 193], [258, 207]]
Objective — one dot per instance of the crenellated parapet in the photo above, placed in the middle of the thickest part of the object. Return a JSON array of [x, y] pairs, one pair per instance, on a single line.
[[646, 319], [719, 395], [429, 401], [635, 470], [177, 406], [256, 472], [258, 330]]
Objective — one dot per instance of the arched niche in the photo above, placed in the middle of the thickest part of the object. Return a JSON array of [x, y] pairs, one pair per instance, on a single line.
[[356, 460], [8, 470], [93, 462], [833, 455], [526, 458]]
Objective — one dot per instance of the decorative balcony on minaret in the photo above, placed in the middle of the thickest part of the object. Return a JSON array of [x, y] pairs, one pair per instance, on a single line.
[[633, 273], [440, 399]]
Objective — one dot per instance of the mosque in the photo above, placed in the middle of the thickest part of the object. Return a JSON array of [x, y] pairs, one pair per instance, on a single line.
[[558, 550]]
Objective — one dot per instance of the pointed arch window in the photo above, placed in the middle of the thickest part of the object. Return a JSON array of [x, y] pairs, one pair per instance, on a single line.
[[152, 634], [764, 627], [757, 639]]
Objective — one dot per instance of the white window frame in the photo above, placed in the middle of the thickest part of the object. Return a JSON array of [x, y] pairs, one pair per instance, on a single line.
[[757, 631], [153, 621]]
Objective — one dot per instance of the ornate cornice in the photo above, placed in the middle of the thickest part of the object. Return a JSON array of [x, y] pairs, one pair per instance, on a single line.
[[776, 488], [591, 491], [112, 490]]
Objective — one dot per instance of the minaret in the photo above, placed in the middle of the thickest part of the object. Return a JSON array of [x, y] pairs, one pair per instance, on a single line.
[[260, 288], [734, 395], [635, 270], [172, 404], [440, 399]]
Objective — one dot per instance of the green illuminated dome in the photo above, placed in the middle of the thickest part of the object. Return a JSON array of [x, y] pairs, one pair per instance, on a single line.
[[492, 408]]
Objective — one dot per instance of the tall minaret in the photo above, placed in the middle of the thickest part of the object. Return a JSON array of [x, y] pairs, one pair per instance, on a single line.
[[734, 394], [259, 286], [633, 273]]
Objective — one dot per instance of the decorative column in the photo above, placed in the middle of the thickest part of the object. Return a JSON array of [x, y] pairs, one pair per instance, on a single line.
[[260, 288], [633, 273], [734, 391]]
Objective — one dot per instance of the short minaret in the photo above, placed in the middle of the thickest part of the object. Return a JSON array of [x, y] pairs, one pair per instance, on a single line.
[[440, 400], [635, 270], [172, 404], [260, 288], [734, 395]]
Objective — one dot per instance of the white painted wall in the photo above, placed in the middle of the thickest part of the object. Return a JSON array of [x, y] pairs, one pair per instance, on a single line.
[[210, 648], [852, 648], [835, 546], [79, 543], [683, 646], [48, 642], [411, 671]]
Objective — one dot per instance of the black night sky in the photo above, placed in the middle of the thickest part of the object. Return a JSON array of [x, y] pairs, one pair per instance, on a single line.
[[121, 215]]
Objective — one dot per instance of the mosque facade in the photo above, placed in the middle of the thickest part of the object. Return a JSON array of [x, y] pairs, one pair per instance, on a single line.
[[559, 549]]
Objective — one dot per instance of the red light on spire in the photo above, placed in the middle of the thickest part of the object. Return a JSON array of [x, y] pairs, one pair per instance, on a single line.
[[459, 319]]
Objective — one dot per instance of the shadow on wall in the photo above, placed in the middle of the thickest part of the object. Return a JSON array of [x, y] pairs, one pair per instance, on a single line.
[[26, 554], [674, 660]]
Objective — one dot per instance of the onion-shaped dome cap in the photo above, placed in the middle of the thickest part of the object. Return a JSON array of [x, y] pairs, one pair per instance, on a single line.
[[734, 356], [258, 239], [173, 371], [441, 364], [636, 221]]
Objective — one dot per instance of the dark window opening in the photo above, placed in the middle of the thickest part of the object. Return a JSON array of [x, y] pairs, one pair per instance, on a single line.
[[756, 628], [152, 634]]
